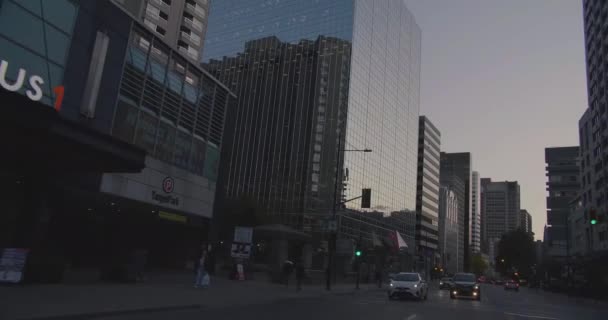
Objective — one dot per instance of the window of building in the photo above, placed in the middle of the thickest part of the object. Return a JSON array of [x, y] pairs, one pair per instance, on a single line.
[[152, 11], [160, 30], [163, 15], [167, 2]]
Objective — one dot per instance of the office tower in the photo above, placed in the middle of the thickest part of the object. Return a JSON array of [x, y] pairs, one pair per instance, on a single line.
[[427, 189], [448, 229], [182, 24], [525, 220], [483, 182], [475, 213], [310, 96], [501, 202], [593, 131], [459, 164], [563, 185]]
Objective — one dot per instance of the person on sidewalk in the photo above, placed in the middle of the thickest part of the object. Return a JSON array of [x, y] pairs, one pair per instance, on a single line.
[[287, 270], [201, 274], [300, 274]]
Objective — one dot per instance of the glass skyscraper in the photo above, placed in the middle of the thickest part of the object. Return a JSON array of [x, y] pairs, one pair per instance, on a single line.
[[313, 78]]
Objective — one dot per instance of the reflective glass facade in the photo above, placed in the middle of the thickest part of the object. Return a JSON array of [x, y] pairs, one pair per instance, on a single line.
[[313, 77], [169, 107], [42, 47]]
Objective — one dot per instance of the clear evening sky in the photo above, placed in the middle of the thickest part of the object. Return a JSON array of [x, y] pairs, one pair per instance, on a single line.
[[504, 79]]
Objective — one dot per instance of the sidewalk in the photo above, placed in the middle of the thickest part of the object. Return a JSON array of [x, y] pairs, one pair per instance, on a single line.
[[169, 292]]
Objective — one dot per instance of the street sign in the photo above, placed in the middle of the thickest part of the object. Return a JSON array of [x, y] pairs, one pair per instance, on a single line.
[[241, 246]]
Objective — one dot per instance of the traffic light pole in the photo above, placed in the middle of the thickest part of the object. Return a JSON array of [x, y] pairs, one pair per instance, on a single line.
[[332, 238]]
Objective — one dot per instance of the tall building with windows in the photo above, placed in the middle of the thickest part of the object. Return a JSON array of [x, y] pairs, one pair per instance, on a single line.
[[593, 131], [182, 24], [114, 144], [427, 189], [525, 220], [483, 182], [448, 229], [563, 185], [316, 80], [459, 165], [501, 207], [475, 213]]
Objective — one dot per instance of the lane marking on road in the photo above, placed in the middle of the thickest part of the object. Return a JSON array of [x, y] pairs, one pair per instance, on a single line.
[[529, 316], [412, 317]]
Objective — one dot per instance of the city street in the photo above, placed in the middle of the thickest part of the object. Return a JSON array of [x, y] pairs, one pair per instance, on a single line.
[[495, 304]]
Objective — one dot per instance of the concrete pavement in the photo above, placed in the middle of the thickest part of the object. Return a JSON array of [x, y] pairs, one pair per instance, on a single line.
[[496, 304], [167, 293]]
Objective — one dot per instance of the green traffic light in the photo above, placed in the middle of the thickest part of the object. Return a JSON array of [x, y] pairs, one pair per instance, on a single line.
[[358, 253], [593, 221]]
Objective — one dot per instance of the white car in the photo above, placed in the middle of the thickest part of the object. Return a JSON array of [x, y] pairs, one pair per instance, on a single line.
[[408, 285]]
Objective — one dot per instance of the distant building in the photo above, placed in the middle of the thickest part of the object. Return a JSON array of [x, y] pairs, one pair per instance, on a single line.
[[182, 24], [579, 230], [484, 239], [563, 185], [539, 251], [427, 189], [475, 213], [459, 165], [448, 229], [525, 220], [592, 126], [501, 202]]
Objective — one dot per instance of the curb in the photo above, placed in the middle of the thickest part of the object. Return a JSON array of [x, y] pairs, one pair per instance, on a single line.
[[93, 315]]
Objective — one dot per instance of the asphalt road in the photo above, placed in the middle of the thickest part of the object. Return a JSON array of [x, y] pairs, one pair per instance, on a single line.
[[495, 304]]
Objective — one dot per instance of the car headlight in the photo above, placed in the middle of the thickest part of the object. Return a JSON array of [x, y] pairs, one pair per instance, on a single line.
[[476, 287], [415, 286], [390, 284], [440, 283]]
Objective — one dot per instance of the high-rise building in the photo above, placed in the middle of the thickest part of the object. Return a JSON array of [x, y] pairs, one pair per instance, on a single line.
[[308, 75], [459, 164], [483, 220], [448, 229], [427, 190], [563, 186], [475, 213], [525, 220], [501, 202], [182, 24], [592, 128]]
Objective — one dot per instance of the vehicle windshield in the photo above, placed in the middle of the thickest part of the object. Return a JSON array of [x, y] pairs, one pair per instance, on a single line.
[[465, 277], [406, 277]]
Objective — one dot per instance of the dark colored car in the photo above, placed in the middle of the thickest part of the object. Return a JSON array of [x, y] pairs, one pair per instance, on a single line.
[[445, 283], [512, 285], [465, 285]]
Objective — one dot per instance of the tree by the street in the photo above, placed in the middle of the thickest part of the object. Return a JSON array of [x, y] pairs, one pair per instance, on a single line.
[[478, 264], [516, 252]]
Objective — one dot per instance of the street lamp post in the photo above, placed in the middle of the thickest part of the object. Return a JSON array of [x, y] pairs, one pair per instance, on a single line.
[[333, 235]]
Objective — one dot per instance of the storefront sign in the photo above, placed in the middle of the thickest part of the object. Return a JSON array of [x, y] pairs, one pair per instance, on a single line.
[[241, 246], [35, 83], [12, 262], [165, 199], [172, 217]]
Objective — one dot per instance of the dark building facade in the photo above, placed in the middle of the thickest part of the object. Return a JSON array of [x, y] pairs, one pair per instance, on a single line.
[[563, 185], [309, 94], [459, 164], [427, 189], [593, 130], [453, 190], [123, 154]]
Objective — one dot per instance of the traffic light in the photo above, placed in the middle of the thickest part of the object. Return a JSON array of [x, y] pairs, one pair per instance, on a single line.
[[366, 198], [592, 216], [357, 253]]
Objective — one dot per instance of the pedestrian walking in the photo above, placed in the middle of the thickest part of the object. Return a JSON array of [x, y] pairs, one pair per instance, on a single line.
[[287, 270], [300, 274], [202, 277]]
